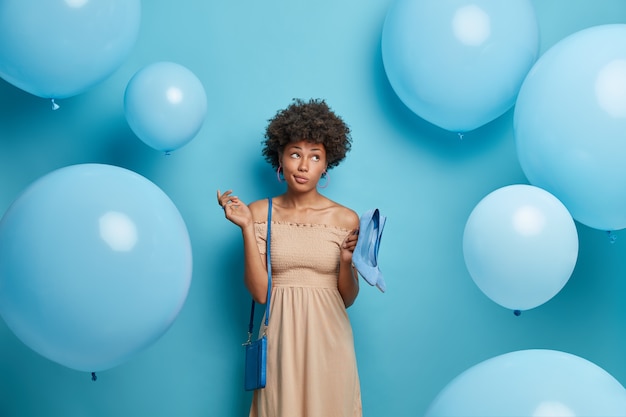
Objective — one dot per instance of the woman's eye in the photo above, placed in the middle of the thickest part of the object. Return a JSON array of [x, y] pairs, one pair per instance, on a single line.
[[316, 158], [295, 155]]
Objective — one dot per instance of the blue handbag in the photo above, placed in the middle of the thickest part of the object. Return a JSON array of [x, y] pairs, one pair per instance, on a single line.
[[256, 351]]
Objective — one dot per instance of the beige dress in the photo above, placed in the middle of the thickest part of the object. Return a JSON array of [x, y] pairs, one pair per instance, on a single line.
[[311, 363]]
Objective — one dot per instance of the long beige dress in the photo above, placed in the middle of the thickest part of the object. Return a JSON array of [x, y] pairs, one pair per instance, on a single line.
[[311, 363]]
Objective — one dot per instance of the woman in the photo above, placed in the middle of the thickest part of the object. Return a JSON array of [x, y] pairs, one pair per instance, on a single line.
[[311, 363]]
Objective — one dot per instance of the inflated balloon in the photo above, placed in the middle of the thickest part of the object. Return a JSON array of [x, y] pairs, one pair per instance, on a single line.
[[459, 64], [569, 124], [520, 246], [95, 265], [60, 48], [165, 105], [534, 382]]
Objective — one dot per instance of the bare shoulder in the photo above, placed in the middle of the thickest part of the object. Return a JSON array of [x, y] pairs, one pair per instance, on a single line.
[[258, 209], [344, 217]]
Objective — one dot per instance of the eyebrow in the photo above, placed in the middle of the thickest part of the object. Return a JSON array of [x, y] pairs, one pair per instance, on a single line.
[[300, 148]]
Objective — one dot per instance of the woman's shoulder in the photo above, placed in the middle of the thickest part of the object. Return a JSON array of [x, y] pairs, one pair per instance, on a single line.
[[344, 217], [258, 209]]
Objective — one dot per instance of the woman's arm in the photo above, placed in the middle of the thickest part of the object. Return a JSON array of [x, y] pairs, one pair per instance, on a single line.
[[348, 283], [348, 280], [255, 272]]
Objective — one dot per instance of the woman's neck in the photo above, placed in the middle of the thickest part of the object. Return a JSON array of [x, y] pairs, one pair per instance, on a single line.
[[298, 201]]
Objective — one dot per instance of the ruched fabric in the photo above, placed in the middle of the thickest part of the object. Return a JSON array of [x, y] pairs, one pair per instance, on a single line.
[[311, 363]]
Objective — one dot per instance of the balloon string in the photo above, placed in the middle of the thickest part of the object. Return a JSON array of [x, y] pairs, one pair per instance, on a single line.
[[93, 376], [55, 106]]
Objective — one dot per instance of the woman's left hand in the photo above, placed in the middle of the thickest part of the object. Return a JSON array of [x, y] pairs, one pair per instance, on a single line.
[[348, 245]]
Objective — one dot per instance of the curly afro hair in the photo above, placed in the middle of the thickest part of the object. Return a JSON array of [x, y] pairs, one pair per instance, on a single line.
[[312, 121]]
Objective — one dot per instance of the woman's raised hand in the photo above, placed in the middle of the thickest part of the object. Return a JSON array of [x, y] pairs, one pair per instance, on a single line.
[[234, 209]]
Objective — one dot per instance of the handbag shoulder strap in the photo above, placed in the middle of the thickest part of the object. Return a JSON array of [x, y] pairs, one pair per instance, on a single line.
[[269, 272], [268, 240]]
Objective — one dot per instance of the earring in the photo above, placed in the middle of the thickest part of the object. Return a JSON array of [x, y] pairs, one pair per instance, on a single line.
[[278, 174], [325, 175]]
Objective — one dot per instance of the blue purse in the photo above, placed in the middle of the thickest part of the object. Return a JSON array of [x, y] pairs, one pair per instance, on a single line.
[[256, 351]]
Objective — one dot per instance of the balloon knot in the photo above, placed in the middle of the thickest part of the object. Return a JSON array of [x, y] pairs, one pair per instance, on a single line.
[[94, 377], [55, 106], [460, 135], [517, 312], [612, 236]]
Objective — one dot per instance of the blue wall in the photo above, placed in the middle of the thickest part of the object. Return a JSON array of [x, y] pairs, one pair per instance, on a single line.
[[253, 57]]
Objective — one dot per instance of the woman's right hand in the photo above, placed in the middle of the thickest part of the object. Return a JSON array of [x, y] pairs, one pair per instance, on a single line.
[[234, 209]]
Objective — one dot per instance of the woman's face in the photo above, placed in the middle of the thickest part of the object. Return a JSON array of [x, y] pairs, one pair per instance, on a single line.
[[303, 164]]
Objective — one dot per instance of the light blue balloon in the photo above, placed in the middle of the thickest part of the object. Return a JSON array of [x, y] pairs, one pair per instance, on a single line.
[[459, 64], [570, 124], [535, 382], [520, 246], [95, 265], [60, 48], [165, 105]]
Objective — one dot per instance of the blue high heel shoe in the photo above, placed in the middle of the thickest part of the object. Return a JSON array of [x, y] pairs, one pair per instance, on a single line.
[[365, 255]]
